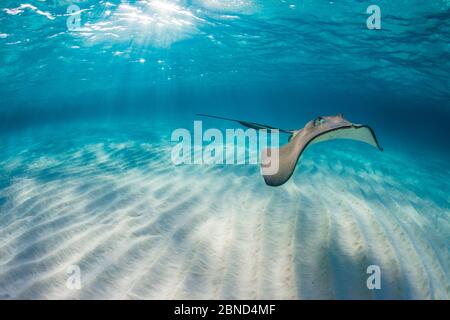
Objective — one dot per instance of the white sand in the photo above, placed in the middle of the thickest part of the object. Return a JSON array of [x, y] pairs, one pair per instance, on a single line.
[[155, 231]]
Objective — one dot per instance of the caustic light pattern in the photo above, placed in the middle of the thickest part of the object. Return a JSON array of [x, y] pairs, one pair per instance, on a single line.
[[139, 227]]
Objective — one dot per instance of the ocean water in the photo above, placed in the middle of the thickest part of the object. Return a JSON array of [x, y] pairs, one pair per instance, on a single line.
[[86, 177]]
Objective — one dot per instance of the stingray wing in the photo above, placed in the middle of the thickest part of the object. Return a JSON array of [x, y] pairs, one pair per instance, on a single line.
[[248, 124], [357, 132], [291, 152]]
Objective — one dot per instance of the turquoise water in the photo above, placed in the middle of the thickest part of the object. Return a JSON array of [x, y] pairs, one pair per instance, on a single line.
[[86, 177]]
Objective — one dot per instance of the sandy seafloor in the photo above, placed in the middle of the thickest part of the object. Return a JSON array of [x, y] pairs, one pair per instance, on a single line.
[[86, 178], [108, 199]]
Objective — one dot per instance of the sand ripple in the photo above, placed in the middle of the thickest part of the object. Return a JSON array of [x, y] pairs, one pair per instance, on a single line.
[[140, 228]]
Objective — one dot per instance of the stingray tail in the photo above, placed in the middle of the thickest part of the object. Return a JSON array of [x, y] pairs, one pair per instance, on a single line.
[[248, 124]]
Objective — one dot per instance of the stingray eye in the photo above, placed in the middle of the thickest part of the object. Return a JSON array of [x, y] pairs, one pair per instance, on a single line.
[[318, 121]]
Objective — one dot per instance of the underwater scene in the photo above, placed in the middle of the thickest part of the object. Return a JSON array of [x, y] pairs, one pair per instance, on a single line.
[[97, 99]]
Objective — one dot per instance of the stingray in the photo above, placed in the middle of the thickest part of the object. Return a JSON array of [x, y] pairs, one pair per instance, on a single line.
[[322, 128]]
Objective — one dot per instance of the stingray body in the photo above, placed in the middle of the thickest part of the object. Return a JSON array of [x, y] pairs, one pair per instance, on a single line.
[[317, 130]]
